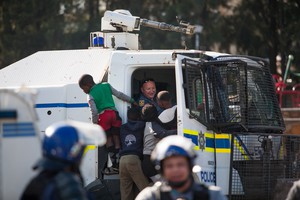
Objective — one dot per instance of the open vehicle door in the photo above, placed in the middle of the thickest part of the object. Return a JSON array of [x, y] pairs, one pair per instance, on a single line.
[[221, 96], [193, 93]]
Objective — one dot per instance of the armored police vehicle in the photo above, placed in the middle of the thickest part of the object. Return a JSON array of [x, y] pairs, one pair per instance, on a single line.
[[226, 104]]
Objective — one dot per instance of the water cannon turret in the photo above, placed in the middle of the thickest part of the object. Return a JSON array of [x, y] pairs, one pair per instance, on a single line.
[[119, 30], [120, 20], [123, 21]]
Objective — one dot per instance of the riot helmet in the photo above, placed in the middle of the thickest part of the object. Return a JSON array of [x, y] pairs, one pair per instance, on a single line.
[[65, 141], [173, 145]]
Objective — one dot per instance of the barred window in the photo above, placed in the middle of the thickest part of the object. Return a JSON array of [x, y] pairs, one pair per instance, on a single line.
[[232, 95]]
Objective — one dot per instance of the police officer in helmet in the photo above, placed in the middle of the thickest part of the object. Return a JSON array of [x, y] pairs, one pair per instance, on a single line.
[[174, 156], [63, 146]]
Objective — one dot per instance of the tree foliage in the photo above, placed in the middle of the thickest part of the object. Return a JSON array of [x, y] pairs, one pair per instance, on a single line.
[[266, 29], [259, 28]]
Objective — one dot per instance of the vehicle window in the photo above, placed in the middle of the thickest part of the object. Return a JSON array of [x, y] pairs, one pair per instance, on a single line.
[[195, 91], [164, 79]]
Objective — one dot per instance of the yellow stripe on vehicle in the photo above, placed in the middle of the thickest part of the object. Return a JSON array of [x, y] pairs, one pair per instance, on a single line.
[[191, 132], [89, 147], [219, 143], [240, 148]]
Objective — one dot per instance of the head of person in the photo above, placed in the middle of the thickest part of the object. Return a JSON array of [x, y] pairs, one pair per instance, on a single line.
[[64, 142], [148, 88], [134, 114], [86, 82], [174, 157], [149, 113], [164, 99]]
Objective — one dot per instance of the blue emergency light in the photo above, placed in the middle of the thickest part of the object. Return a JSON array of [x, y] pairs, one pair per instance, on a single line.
[[98, 41]]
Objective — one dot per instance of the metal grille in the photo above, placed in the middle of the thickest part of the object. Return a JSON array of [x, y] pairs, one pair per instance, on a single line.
[[194, 85], [264, 166], [237, 96]]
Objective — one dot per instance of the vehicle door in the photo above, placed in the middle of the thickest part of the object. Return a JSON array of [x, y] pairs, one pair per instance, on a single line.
[[201, 106]]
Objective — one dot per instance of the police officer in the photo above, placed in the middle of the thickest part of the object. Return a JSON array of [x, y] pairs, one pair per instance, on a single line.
[[174, 155], [148, 94], [59, 176]]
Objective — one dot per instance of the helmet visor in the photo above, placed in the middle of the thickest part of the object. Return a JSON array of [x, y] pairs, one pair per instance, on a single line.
[[88, 134]]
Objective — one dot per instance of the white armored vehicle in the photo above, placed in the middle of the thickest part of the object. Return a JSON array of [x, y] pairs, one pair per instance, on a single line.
[[226, 104]]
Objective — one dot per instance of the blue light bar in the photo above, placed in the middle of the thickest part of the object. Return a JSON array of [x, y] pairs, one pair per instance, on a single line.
[[98, 41]]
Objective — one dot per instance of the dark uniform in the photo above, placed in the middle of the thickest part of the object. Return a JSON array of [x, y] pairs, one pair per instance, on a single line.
[[142, 100], [161, 191], [54, 183]]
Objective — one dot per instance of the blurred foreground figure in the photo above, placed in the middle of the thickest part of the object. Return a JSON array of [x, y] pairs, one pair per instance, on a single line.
[[174, 157], [294, 193], [63, 146]]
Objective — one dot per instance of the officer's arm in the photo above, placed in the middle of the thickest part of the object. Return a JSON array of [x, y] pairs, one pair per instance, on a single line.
[[160, 132]]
